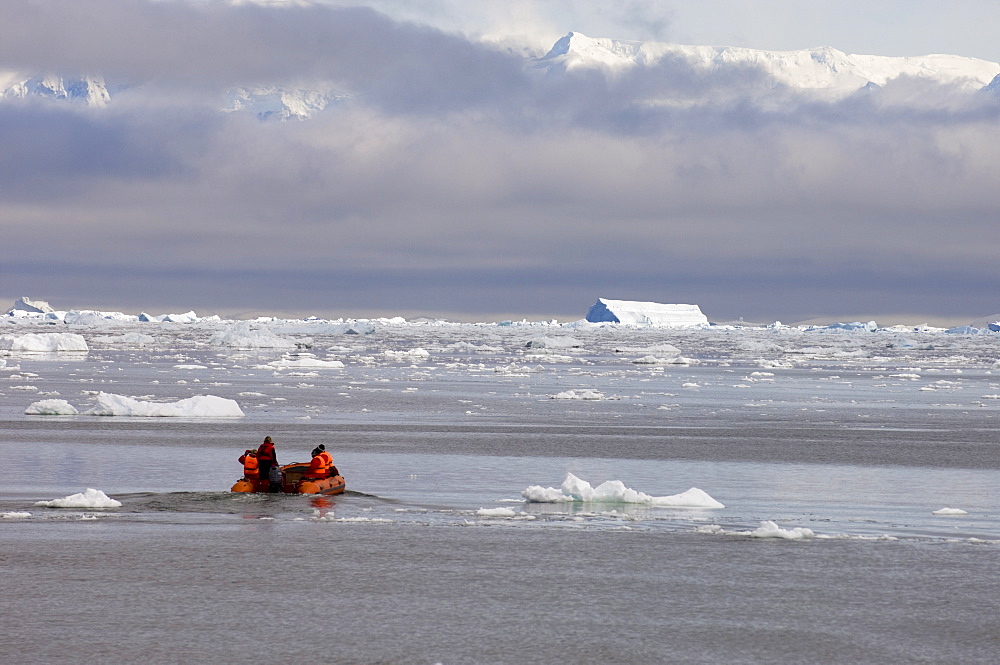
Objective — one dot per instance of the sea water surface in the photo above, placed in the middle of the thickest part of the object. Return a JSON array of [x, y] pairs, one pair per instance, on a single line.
[[828, 549]]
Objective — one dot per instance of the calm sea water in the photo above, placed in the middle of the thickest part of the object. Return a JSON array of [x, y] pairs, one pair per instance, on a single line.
[[414, 565]]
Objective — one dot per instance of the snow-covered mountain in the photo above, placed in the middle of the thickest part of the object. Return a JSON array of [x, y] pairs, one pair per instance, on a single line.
[[274, 103], [810, 69], [91, 90], [823, 72]]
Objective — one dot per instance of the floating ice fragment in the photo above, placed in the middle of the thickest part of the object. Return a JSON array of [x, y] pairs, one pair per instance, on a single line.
[[574, 489], [90, 499], [496, 512], [769, 529], [51, 407], [677, 360], [949, 511], [412, 353], [199, 406], [553, 343], [44, 343], [15, 515], [242, 336], [580, 394]]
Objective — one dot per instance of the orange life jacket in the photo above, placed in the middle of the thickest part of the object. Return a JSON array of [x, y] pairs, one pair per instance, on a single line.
[[327, 462], [317, 468], [266, 453], [250, 465]]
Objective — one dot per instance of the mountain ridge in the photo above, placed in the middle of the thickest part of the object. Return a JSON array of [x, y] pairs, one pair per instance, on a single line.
[[823, 71]]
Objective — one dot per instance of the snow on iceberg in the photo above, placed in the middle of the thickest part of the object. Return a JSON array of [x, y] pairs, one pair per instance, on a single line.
[[645, 313], [44, 342], [240, 335], [574, 489], [199, 406], [51, 407], [90, 499]]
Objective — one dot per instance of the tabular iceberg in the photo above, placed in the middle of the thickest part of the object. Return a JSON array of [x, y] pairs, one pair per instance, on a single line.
[[645, 313]]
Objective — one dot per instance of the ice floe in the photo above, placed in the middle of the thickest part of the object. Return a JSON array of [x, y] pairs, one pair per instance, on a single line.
[[407, 355], [496, 512], [574, 489], [590, 395], [51, 407], [44, 343], [554, 343], [127, 340], [767, 529], [89, 499], [242, 335], [653, 360], [199, 406], [949, 511], [305, 360]]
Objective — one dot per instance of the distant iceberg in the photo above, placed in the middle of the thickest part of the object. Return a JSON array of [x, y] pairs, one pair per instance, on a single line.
[[31, 306], [645, 313]]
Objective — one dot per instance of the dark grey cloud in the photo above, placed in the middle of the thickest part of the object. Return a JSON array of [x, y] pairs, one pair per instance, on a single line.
[[218, 44], [456, 180]]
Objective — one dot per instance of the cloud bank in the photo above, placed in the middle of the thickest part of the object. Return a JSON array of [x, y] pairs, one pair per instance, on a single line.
[[453, 178]]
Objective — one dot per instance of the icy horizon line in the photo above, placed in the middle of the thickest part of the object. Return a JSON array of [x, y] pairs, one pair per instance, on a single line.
[[884, 319]]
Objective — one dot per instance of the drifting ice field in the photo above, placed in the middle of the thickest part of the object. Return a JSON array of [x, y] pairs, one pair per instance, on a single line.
[[601, 493], [492, 409]]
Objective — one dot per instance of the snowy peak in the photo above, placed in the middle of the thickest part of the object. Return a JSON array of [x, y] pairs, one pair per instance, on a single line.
[[578, 50], [276, 103], [812, 69], [90, 89]]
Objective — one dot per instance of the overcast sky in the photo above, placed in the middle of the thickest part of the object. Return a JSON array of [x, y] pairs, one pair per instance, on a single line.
[[452, 182]]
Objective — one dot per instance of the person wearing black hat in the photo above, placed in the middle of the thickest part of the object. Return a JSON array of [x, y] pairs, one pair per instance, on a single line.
[[315, 471], [266, 459]]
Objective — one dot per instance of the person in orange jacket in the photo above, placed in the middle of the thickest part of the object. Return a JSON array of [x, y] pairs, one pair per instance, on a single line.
[[318, 465], [266, 459], [251, 468], [327, 459]]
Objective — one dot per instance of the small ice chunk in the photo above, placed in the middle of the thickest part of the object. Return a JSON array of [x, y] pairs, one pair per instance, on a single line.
[[90, 499], [614, 491], [496, 512], [580, 394], [769, 529], [949, 511], [51, 407]]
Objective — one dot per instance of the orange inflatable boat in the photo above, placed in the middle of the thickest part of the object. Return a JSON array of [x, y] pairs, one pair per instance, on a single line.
[[292, 482]]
